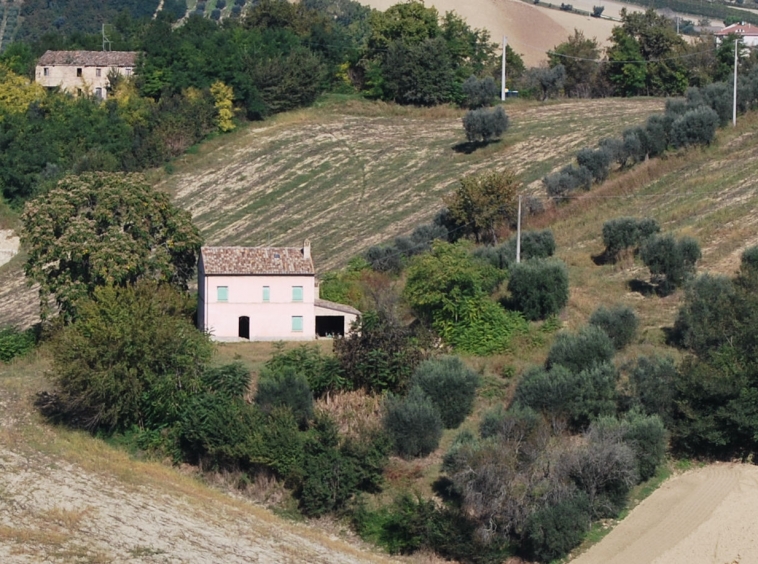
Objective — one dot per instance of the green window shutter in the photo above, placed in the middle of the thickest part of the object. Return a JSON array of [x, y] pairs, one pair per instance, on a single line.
[[223, 293], [266, 293], [297, 322], [297, 293]]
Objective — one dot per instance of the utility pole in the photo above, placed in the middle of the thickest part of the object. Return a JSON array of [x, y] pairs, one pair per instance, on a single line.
[[734, 101], [518, 232], [677, 25], [502, 81]]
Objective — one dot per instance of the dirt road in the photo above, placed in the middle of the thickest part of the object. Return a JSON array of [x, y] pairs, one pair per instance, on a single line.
[[704, 516]]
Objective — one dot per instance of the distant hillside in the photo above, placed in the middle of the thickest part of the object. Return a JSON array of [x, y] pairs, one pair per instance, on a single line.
[[86, 16], [356, 174]]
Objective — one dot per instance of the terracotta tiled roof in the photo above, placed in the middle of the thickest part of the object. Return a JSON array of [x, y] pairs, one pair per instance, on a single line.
[[326, 304], [89, 58], [255, 260], [739, 29]]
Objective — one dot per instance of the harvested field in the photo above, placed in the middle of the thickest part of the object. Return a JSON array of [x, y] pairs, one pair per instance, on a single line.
[[348, 178], [703, 516]]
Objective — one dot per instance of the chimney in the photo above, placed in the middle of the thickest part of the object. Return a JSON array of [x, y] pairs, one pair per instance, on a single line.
[[307, 249]]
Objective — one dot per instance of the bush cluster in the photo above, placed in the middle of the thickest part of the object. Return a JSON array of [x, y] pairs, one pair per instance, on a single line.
[[562, 184], [479, 93], [538, 288], [485, 124], [393, 257], [671, 262], [534, 245], [623, 233], [619, 323], [589, 347], [15, 343], [414, 424], [451, 386]]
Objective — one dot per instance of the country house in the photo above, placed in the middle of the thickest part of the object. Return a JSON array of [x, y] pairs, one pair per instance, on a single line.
[[265, 294], [83, 72], [747, 32]]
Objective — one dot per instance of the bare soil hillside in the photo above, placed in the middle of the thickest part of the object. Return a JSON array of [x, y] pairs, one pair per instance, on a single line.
[[704, 516], [66, 497]]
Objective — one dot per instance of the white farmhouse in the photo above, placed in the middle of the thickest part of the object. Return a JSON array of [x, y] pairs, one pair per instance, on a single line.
[[83, 72]]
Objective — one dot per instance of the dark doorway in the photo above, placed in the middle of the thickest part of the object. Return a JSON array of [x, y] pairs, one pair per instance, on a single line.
[[330, 325], [244, 327]]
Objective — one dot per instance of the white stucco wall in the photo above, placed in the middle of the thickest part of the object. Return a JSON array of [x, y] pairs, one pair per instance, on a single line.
[[269, 321]]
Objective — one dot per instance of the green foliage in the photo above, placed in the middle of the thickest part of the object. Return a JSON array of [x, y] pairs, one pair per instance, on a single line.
[[484, 202], [485, 124], [230, 380], [646, 435], [15, 343], [555, 530], [539, 288], [708, 317], [547, 81], [696, 127], [619, 323], [652, 380], [584, 350], [576, 397], [515, 424], [749, 259], [285, 387], [479, 93], [414, 423], [577, 55], [626, 232], [671, 262], [422, 74], [334, 471], [451, 386], [380, 355], [322, 371], [132, 357], [597, 161], [560, 185], [101, 229]]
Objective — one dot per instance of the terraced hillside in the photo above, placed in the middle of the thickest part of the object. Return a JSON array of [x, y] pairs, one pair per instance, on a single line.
[[350, 176]]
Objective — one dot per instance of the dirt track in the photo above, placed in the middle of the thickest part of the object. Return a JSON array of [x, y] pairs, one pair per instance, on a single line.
[[703, 516]]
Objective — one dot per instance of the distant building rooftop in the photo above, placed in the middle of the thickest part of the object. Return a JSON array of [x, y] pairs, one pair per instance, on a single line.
[[89, 58], [743, 29], [256, 261]]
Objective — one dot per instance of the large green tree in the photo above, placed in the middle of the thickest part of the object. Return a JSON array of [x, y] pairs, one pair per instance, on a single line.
[[578, 55], [100, 229]]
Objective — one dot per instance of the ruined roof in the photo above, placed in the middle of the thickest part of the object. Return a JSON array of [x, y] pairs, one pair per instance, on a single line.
[[742, 29], [255, 261], [326, 304], [89, 58]]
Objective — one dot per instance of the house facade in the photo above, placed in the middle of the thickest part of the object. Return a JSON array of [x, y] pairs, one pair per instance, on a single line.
[[747, 32], [265, 294], [83, 72]]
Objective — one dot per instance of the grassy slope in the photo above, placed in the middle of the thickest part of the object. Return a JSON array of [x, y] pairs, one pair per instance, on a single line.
[[352, 174]]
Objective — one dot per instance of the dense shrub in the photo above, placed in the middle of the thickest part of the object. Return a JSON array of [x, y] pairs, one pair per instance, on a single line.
[[384, 258], [749, 259], [652, 381], [485, 124], [15, 343], [534, 245], [707, 318], [414, 423], [575, 397], [285, 388], [451, 386], [322, 371], [132, 357], [539, 288], [514, 424], [619, 323], [658, 129], [231, 380], [561, 184], [626, 232], [586, 349], [380, 355], [696, 127], [597, 161], [646, 435], [334, 470], [479, 92], [671, 262], [553, 531]]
